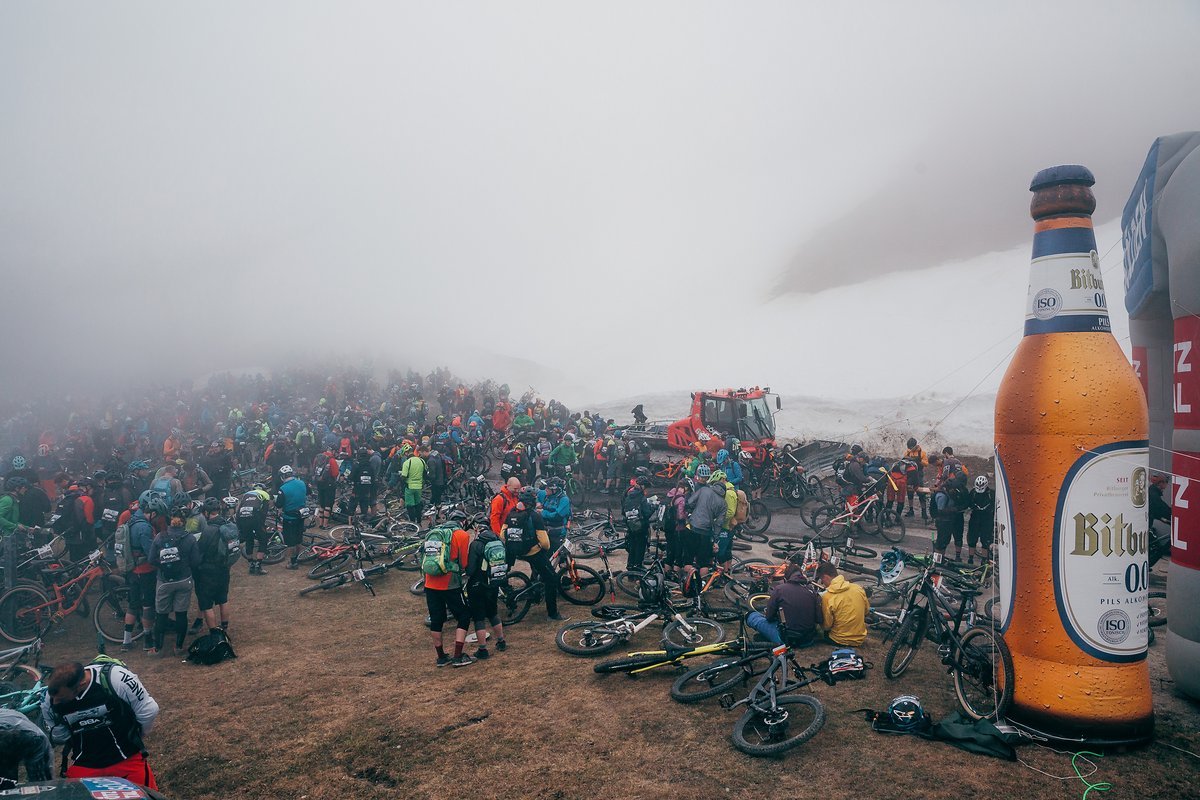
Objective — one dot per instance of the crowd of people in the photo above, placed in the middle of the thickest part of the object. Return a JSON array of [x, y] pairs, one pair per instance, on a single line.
[[178, 485]]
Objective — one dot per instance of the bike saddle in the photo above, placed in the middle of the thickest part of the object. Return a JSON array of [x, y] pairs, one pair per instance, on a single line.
[[970, 592]]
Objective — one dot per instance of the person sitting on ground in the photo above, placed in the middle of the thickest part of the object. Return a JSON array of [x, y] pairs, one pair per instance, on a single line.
[[844, 607], [794, 610]]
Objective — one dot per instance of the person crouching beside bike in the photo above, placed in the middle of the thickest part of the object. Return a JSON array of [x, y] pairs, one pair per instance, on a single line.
[[794, 609], [525, 537]]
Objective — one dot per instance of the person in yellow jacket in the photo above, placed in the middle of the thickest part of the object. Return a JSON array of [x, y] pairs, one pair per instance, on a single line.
[[725, 535], [844, 606]]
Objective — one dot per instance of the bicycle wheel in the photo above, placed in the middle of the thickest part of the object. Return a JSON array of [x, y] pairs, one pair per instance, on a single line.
[[18, 622], [1156, 607], [275, 549], [890, 525], [796, 719], [403, 529], [703, 631], [820, 516], [418, 586], [983, 681], [758, 521], [588, 638], [758, 602], [576, 492], [708, 680], [339, 533], [794, 493], [908, 640], [858, 551], [583, 586], [628, 582], [109, 615], [630, 663], [328, 566], [18, 678], [515, 598], [332, 582]]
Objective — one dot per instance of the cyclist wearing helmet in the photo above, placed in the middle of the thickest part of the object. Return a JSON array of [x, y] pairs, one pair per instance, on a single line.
[[707, 510], [556, 511], [81, 538], [137, 477], [562, 456], [915, 455], [10, 506], [483, 578], [251, 516], [674, 525], [983, 515], [615, 466], [218, 465], [637, 512], [412, 475], [212, 573], [731, 467], [291, 498], [21, 468], [362, 483], [525, 537], [724, 536]]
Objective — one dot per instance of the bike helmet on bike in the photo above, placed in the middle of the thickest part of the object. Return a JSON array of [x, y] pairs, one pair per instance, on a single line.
[[905, 712], [13, 484], [651, 589], [703, 472], [286, 472], [18, 462], [891, 564], [981, 483], [212, 505]]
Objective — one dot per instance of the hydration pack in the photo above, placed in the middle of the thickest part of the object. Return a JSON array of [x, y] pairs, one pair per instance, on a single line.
[[435, 553], [495, 562]]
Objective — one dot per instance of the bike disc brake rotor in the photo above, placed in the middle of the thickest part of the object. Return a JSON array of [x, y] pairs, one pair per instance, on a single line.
[[776, 722]]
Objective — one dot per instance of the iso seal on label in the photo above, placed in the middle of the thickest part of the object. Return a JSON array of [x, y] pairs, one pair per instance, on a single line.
[[1046, 304], [1114, 626]]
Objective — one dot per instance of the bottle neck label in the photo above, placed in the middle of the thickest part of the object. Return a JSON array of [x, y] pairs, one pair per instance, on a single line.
[[1066, 289], [1101, 568]]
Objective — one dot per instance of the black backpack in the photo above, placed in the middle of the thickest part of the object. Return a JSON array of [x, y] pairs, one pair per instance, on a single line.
[[63, 520], [211, 648]]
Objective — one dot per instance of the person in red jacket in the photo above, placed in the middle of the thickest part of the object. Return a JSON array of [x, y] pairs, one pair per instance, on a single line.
[[502, 416], [503, 504]]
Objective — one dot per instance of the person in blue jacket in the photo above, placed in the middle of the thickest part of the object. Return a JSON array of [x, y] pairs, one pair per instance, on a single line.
[[556, 511], [293, 495], [732, 469]]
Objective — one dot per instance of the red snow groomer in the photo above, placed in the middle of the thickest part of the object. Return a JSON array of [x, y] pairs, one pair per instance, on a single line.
[[722, 414]]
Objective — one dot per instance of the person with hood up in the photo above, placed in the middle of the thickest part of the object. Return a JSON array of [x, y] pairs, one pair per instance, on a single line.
[[844, 607]]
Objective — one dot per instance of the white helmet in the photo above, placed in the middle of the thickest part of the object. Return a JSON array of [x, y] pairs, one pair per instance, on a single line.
[[285, 472], [981, 483]]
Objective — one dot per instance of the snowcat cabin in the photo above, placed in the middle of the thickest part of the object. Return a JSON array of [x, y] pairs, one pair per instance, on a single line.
[[721, 414]]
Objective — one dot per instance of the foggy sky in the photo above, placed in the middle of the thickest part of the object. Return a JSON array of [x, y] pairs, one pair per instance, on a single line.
[[602, 198]]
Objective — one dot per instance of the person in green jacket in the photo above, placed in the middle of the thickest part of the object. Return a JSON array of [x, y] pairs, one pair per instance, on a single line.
[[523, 422], [412, 472], [10, 506], [563, 456]]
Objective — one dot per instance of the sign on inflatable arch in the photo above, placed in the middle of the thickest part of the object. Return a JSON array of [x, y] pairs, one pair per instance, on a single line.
[[1162, 294]]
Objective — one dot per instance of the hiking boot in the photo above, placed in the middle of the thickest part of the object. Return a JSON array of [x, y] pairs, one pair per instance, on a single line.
[[501, 645], [482, 653], [462, 660], [443, 660], [196, 625], [293, 565], [557, 617]]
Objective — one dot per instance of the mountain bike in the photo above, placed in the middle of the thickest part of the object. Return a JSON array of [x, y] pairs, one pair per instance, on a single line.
[[578, 584], [635, 664], [22, 685], [616, 624], [835, 522], [359, 574], [27, 612], [776, 718], [977, 657]]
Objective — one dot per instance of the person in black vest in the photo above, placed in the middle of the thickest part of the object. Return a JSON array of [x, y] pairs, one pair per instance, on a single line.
[[983, 518], [637, 511], [435, 474], [362, 479], [102, 713]]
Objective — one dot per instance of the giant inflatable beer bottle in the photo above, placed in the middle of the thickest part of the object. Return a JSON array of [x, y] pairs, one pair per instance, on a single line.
[[1071, 516]]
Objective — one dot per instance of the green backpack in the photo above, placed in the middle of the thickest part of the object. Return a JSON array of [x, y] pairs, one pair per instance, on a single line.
[[495, 558], [435, 553]]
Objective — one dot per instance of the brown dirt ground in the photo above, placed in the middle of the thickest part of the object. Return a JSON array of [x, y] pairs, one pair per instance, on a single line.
[[336, 696]]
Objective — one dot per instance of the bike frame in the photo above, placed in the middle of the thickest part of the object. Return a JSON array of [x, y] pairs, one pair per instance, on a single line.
[[97, 569]]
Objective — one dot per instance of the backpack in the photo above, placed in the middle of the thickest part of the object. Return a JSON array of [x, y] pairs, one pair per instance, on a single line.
[[230, 543], [63, 520], [959, 494], [743, 508], [123, 548], [321, 472], [495, 562], [162, 488], [518, 532], [845, 664], [211, 648], [435, 553]]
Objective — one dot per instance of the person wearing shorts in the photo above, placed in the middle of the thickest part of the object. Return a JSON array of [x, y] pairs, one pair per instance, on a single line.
[[293, 494], [251, 518], [483, 594], [175, 555], [443, 593], [212, 574]]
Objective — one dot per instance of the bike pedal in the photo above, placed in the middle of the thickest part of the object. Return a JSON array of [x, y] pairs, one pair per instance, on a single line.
[[726, 701]]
